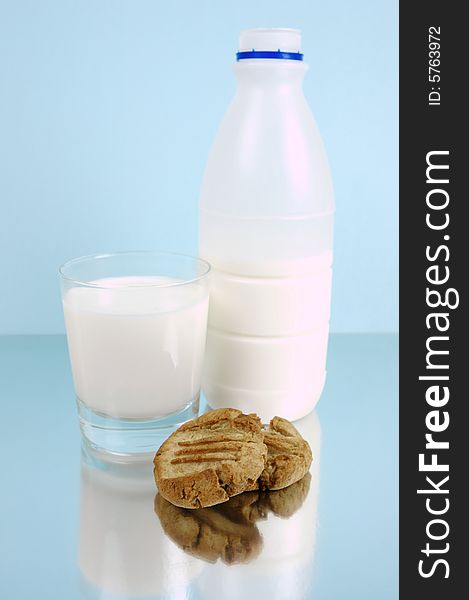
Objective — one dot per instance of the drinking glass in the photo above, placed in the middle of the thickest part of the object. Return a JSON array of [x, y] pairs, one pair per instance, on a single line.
[[136, 325]]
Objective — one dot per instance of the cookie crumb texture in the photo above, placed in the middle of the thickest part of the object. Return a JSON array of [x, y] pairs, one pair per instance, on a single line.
[[289, 456], [211, 458]]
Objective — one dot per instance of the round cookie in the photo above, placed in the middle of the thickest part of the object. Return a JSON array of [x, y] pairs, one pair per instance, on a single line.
[[211, 458], [288, 459]]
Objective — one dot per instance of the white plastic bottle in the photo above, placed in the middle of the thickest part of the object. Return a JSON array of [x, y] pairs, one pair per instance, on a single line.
[[266, 221]]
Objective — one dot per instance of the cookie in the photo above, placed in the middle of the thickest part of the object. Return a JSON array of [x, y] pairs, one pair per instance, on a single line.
[[211, 458], [209, 533], [288, 459]]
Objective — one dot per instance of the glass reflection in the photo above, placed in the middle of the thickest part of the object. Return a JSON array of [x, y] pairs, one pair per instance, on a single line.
[[123, 551], [134, 544]]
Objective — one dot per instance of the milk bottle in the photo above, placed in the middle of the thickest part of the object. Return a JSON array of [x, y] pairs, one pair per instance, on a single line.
[[266, 221]]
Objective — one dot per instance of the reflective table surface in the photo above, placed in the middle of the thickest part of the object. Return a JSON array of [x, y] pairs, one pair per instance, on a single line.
[[77, 524]]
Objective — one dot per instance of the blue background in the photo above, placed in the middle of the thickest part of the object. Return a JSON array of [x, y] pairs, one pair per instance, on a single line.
[[107, 112]]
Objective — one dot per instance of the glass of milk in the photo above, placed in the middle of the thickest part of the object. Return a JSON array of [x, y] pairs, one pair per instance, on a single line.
[[136, 325]]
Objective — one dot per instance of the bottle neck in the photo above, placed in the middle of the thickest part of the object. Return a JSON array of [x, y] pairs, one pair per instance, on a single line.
[[270, 73]]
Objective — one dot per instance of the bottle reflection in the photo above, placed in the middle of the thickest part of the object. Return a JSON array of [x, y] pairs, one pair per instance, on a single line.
[[283, 569]]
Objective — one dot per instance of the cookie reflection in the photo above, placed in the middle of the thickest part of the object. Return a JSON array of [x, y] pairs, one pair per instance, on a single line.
[[228, 531]]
